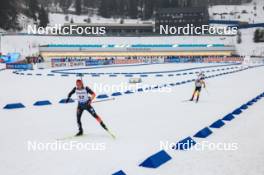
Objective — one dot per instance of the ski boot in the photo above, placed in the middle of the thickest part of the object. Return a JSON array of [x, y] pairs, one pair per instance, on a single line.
[[80, 133]]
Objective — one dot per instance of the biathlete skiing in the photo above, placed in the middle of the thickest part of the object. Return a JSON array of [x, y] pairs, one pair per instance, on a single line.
[[199, 82], [84, 103]]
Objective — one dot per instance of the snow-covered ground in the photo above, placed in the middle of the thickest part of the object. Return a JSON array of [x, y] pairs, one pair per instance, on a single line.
[[56, 18], [101, 84], [2, 30], [254, 14], [138, 69], [2, 66], [140, 121], [251, 12], [164, 73], [248, 47]]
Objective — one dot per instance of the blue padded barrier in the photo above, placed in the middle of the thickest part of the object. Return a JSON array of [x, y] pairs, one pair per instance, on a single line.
[[170, 75], [121, 172], [228, 117], [38, 74], [129, 92], [244, 107], [50, 74], [129, 75], [116, 94], [237, 111], [217, 124], [95, 75], [156, 160], [178, 83], [102, 96], [143, 75], [14, 106], [184, 144], [178, 74], [148, 88], [64, 101], [203, 133], [112, 75], [140, 90], [249, 103], [64, 75], [42, 103], [29, 74], [159, 75]]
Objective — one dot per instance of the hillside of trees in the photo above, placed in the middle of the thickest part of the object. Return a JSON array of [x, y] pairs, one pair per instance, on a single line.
[[33, 9], [38, 9]]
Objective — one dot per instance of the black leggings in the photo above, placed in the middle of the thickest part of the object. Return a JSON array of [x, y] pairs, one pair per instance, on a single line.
[[90, 109]]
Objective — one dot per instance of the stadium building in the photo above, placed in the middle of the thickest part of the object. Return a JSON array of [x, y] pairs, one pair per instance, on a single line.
[[116, 29], [197, 16], [135, 50]]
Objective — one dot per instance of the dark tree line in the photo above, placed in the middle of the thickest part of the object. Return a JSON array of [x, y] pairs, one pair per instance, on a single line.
[[8, 14], [258, 35], [144, 9], [38, 9], [10, 10]]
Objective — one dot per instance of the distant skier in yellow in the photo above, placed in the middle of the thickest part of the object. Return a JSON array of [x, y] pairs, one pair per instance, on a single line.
[[199, 82]]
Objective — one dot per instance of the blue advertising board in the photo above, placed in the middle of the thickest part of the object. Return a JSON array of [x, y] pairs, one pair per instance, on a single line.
[[98, 62], [19, 66]]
